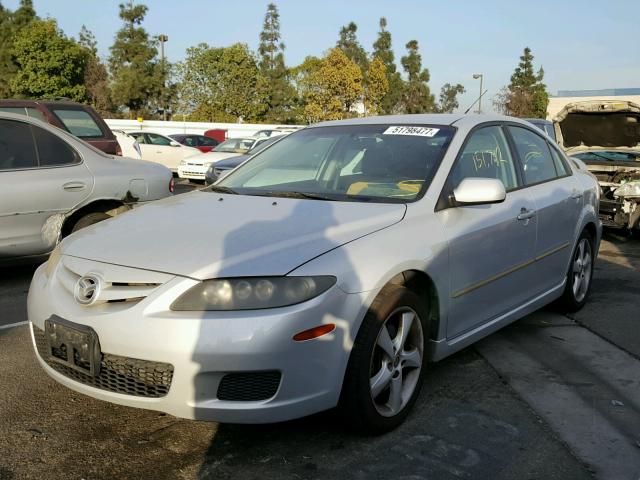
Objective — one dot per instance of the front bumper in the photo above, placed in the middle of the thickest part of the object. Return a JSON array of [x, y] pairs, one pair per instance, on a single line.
[[204, 347]]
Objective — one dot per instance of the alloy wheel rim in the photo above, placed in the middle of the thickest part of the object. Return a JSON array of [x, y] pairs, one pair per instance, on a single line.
[[396, 361], [581, 270]]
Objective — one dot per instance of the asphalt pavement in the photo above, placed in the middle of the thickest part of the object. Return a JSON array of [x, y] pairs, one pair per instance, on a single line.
[[478, 416]]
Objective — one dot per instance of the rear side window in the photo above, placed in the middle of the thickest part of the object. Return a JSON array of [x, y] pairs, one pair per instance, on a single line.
[[35, 113], [17, 149], [561, 167], [79, 123], [53, 151], [537, 163]]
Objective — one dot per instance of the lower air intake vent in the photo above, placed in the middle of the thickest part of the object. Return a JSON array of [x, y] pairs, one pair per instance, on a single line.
[[248, 386], [125, 375]]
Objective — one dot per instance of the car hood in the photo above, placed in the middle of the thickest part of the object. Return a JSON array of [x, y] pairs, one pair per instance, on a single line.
[[232, 162], [207, 235], [599, 124], [210, 157]]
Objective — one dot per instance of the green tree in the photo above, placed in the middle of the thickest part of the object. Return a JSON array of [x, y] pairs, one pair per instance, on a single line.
[[222, 84], [417, 95], [50, 64], [348, 43], [449, 97], [96, 77], [333, 90], [376, 87], [10, 24], [392, 101], [137, 75], [272, 67], [302, 80], [526, 95]]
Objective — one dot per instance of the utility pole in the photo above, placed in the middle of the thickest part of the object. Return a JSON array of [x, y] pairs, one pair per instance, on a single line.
[[162, 39], [480, 76]]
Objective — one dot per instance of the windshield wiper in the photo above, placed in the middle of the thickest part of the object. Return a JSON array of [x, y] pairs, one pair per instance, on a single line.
[[292, 194], [222, 189]]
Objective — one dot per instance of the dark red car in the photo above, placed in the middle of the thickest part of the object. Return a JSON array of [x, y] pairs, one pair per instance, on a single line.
[[80, 120], [202, 143]]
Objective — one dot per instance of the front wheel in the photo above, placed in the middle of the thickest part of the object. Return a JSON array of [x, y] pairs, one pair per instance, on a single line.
[[579, 276], [386, 366]]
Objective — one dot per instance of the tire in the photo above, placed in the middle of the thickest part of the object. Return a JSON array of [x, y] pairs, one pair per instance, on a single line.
[[578, 284], [369, 405], [89, 219]]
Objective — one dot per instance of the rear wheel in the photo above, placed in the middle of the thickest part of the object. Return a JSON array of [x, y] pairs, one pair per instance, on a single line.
[[89, 219], [580, 274], [386, 366]]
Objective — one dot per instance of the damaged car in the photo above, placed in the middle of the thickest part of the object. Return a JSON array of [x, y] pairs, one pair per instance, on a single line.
[[54, 184], [605, 136]]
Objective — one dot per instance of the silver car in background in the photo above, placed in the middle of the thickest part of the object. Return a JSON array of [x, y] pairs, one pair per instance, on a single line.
[[325, 271], [52, 184]]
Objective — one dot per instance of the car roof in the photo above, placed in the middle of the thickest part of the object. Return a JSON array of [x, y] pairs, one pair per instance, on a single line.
[[459, 119]]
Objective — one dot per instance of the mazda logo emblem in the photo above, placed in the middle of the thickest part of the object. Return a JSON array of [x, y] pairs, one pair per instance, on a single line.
[[87, 290]]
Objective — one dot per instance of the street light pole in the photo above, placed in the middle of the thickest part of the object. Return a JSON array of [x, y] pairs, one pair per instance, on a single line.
[[475, 77], [162, 39]]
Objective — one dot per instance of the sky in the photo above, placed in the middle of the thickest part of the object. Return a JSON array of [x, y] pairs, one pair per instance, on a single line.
[[581, 44]]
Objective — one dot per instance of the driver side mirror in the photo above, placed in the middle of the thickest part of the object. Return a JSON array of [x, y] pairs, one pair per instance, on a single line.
[[479, 191]]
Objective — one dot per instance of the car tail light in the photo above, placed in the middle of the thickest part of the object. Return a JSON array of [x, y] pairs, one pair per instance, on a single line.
[[171, 185], [118, 150]]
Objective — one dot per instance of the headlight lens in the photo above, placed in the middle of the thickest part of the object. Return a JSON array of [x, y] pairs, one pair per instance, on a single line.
[[630, 189], [226, 294], [54, 259]]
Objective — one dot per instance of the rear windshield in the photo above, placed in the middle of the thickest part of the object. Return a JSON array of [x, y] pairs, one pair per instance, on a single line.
[[79, 123], [385, 163]]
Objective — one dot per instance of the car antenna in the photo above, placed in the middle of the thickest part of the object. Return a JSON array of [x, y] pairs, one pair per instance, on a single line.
[[477, 100]]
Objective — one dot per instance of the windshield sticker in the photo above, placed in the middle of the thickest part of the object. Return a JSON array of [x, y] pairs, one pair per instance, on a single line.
[[417, 131]]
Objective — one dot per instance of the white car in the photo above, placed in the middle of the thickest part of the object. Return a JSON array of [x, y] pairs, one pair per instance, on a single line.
[[53, 184], [304, 282], [128, 145], [162, 149], [195, 168]]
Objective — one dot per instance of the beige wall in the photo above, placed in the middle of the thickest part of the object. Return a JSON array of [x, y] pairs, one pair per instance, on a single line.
[[557, 103]]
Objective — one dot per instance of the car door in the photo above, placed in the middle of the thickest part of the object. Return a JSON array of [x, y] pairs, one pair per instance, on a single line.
[[558, 198], [42, 178], [491, 247], [170, 155]]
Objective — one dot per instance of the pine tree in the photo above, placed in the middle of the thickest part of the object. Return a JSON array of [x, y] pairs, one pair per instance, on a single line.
[[272, 67], [348, 43], [449, 97], [417, 96], [96, 77], [391, 102]]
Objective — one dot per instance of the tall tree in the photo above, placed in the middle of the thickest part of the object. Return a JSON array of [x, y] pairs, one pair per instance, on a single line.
[[376, 87], [449, 97], [526, 95], [391, 102], [222, 84], [50, 64], [348, 43], [137, 75], [272, 66], [334, 89], [417, 95], [10, 24], [96, 77]]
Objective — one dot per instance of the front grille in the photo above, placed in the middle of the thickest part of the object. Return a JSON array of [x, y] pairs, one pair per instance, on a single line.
[[125, 375], [249, 386]]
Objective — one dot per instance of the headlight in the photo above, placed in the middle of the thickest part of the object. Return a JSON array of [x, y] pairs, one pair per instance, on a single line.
[[251, 293], [54, 259], [631, 189], [183, 163]]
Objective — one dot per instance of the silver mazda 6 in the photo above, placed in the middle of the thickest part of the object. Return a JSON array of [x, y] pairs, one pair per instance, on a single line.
[[327, 271]]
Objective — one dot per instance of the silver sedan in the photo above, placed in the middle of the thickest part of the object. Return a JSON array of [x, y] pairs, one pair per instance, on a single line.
[[325, 271]]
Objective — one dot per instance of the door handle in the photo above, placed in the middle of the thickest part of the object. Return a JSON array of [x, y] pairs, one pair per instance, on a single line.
[[525, 214], [74, 186]]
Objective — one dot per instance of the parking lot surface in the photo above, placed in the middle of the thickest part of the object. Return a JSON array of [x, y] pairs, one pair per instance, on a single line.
[[472, 420]]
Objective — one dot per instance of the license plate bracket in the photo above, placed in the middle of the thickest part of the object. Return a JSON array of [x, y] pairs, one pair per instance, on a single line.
[[73, 345]]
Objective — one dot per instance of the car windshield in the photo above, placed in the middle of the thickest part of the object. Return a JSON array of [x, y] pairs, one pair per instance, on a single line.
[[236, 145], [384, 163], [608, 156]]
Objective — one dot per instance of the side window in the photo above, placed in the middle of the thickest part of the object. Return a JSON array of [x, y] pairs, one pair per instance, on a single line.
[[158, 139], [207, 142], [79, 123], [486, 155], [139, 138], [537, 163], [35, 113], [52, 150], [17, 149], [189, 141], [561, 167], [16, 110]]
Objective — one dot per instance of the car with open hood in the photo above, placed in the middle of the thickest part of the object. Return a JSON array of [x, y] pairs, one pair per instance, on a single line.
[[605, 136], [328, 270]]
